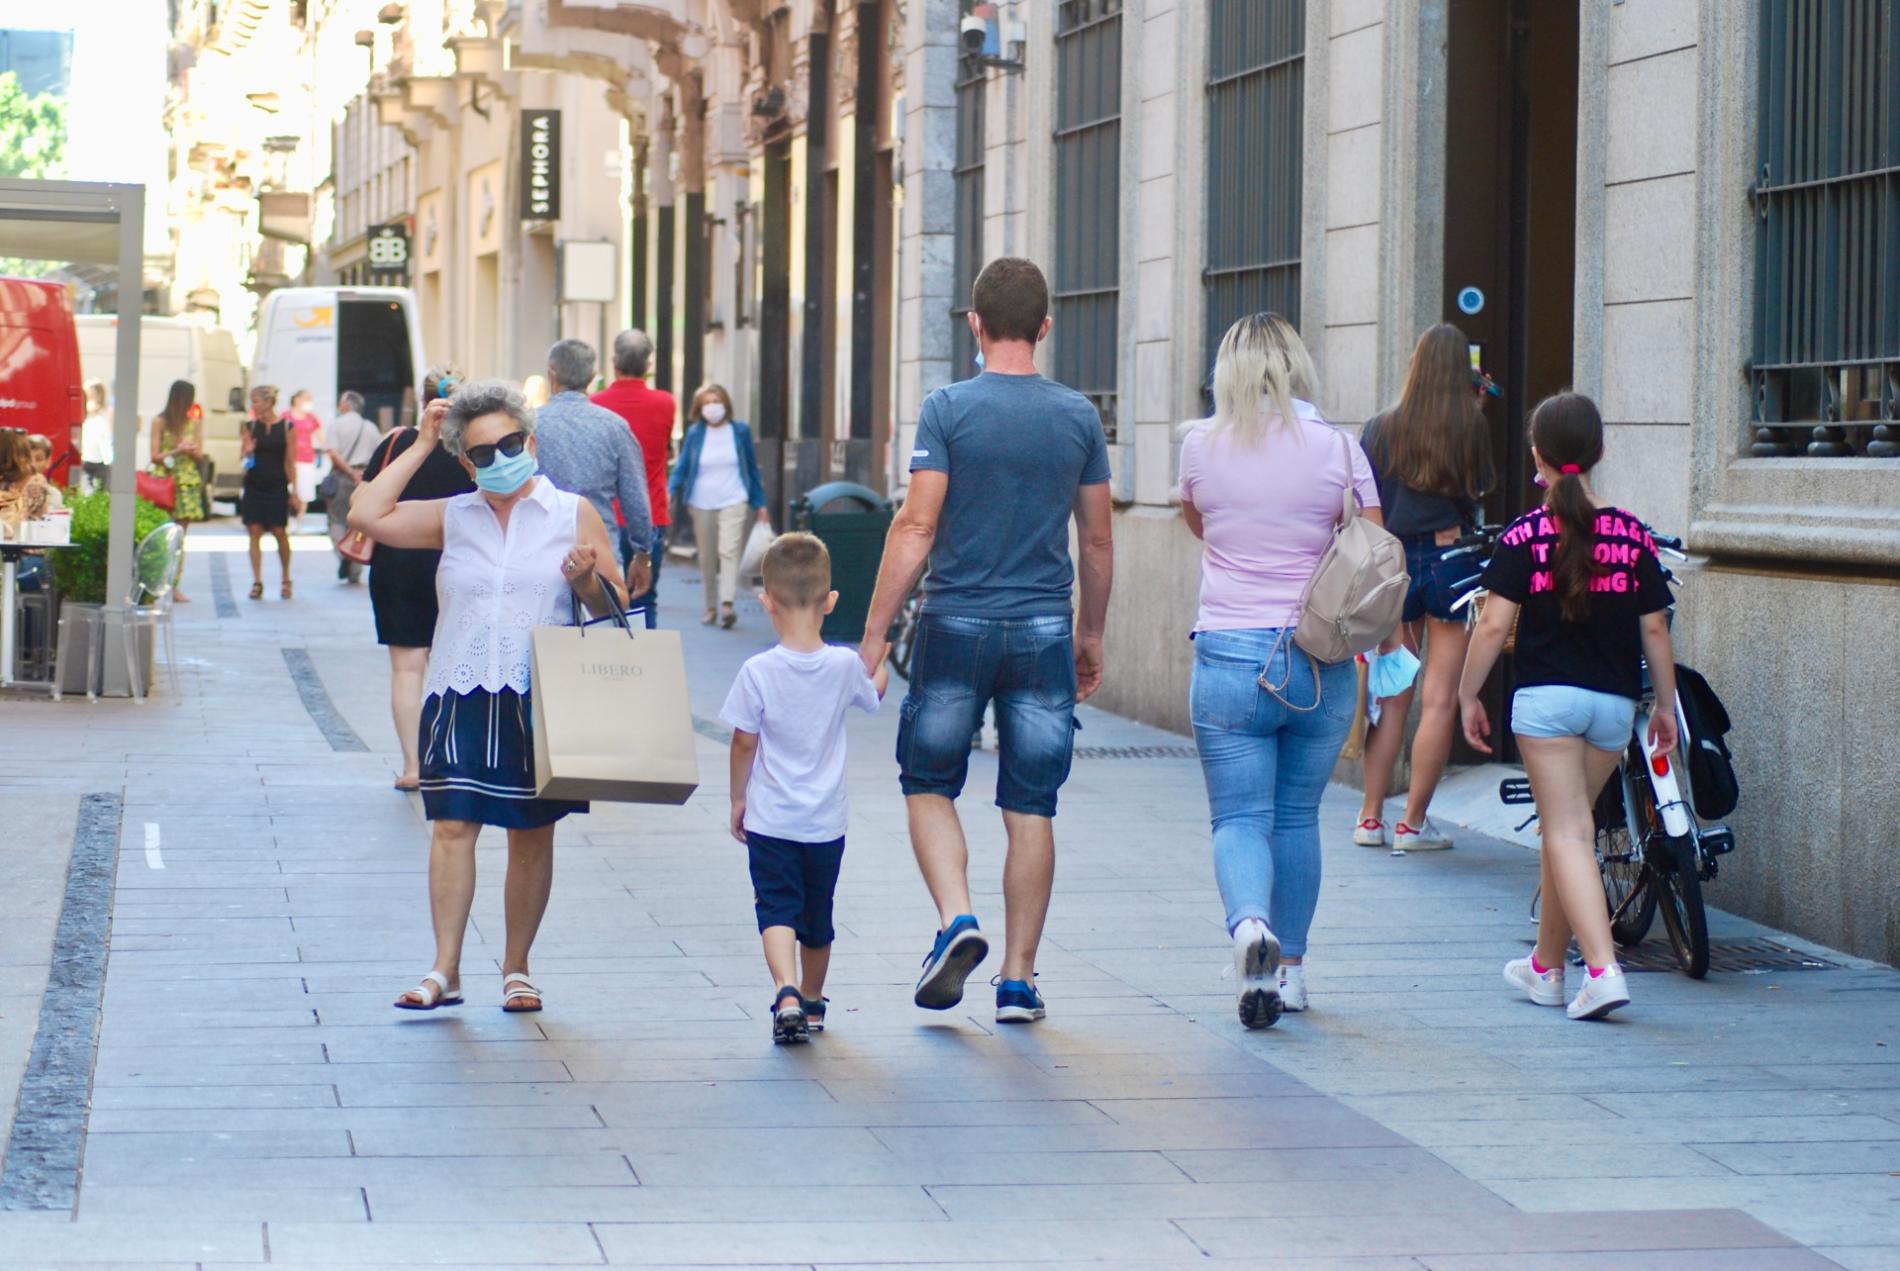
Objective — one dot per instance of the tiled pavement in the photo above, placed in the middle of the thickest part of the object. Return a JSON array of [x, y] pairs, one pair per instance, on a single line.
[[255, 1099]]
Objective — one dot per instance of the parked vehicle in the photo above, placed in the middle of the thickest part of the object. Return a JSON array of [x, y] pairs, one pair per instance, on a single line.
[[332, 339], [40, 385], [178, 349]]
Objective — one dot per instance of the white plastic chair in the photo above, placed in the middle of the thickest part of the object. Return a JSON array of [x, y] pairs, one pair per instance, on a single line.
[[156, 565]]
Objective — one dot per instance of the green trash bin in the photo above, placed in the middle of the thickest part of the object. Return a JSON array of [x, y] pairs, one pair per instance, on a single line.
[[852, 521]]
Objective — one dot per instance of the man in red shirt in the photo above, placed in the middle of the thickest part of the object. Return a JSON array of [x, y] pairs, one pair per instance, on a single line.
[[651, 413]]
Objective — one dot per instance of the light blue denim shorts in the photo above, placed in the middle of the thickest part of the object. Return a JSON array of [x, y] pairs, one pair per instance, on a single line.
[[1605, 720]]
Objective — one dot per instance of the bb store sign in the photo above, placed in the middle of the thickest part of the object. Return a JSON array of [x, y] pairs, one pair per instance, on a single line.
[[540, 165]]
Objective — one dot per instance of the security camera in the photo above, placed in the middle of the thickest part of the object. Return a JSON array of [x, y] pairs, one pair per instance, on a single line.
[[974, 34]]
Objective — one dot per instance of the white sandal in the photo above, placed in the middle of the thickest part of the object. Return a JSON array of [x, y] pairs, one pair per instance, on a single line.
[[516, 984], [434, 992]]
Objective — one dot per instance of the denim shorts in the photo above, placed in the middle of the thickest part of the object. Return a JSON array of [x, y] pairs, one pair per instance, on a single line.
[[793, 885], [1434, 579], [1605, 720], [1026, 666]]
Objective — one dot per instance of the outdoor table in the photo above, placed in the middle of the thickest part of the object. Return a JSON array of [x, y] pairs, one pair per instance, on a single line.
[[10, 554]]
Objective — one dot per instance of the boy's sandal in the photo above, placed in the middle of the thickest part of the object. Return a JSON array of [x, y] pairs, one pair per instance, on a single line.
[[789, 1024], [257, 591], [516, 985], [815, 1013], [434, 992]]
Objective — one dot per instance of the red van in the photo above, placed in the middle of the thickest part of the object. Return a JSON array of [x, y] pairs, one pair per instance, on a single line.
[[40, 387]]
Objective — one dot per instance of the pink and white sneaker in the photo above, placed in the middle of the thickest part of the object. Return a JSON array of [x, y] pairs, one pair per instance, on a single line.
[[1369, 832]]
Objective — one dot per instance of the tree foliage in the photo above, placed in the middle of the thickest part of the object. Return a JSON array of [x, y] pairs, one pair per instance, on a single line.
[[33, 145], [32, 131]]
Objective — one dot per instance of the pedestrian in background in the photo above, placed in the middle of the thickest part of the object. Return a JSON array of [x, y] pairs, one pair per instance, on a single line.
[[1261, 484], [269, 499], [1581, 579], [1000, 465], [650, 413], [786, 711], [307, 432], [402, 579], [718, 478], [586, 450], [177, 445], [95, 437], [352, 442], [1431, 455], [513, 552]]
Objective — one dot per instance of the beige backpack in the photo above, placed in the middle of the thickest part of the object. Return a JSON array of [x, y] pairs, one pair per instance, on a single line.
[[1357, 594]]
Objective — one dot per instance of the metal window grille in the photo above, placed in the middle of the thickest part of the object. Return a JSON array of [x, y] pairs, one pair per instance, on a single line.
[[1256, 77], [1826, 366], [1088, 138], [967, 256]]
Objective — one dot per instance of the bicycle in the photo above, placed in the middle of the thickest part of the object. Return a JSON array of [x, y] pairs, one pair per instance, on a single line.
[[1650, 847]]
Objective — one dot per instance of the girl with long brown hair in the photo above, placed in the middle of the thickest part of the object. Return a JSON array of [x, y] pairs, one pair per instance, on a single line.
[[1581, 579], [177, 446], [1432, 455]]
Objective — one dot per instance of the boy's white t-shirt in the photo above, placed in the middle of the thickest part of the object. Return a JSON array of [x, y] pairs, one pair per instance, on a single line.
[[795, 704]]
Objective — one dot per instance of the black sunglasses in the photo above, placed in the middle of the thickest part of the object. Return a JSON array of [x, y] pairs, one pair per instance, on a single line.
[[508, 447]]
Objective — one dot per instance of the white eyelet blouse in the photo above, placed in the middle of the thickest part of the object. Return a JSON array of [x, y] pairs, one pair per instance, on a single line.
[[493, 589]]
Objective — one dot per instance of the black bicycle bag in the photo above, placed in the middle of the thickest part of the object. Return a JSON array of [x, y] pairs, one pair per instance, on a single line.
[[1713, 789]]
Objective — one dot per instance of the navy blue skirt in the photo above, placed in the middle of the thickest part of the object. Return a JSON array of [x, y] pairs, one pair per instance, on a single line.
[[478, 761]]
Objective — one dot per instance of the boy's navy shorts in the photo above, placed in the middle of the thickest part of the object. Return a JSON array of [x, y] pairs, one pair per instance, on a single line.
[[792, 885]]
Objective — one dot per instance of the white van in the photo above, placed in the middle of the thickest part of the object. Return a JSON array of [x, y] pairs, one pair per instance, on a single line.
[[177, 349], [332, 340]]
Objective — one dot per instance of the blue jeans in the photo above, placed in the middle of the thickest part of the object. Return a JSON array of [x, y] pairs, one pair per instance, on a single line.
[[650, 599], [1266, 765], [960, 665]]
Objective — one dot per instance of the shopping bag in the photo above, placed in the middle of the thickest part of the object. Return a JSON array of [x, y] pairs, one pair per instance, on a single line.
[[356, 546], [752, 560], [611, 716], [156, 489]]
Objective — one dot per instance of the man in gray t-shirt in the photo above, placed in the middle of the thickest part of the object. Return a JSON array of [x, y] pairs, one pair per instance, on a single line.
[[1001, 464]]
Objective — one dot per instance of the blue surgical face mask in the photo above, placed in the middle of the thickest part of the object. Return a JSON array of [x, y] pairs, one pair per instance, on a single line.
[[505, 474], [979, 359]]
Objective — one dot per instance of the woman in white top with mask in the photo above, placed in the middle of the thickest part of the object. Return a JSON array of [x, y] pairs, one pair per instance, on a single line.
[[719, 480], [513, 552]]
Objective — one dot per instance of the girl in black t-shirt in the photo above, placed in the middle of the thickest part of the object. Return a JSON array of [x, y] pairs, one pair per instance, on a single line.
[[1582, 580]]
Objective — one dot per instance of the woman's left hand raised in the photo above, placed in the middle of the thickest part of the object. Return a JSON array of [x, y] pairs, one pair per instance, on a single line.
[[578, 566]]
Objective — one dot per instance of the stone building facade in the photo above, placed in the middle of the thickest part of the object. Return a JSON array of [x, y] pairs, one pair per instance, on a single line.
[[1607, 176]]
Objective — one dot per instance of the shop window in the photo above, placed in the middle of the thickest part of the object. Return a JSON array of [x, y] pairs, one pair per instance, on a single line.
[[1826, 368], [1255, 110], [1088, 140], [967, 256]]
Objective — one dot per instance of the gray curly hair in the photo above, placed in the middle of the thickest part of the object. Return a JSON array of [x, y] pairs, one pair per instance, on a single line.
[[476, 398]]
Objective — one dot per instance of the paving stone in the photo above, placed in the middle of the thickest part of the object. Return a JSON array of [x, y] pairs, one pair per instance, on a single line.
[[413, 1243]]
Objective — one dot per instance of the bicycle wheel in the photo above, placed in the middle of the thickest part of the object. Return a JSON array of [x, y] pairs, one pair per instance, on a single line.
[[904, 638], [1626, 882], [1680, 886]]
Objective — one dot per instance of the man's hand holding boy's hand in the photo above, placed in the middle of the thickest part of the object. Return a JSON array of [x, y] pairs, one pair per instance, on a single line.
[[881, 678], [738, 819]]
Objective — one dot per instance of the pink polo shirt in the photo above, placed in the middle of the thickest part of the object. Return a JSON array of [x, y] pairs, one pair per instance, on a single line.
[[1269, 512]]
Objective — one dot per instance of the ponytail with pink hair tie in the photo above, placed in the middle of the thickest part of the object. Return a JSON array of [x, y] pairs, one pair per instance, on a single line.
[[1571, 470]]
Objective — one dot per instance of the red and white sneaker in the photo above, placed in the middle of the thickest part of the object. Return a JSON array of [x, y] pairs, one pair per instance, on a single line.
[[1369, 832], [1423, 838]]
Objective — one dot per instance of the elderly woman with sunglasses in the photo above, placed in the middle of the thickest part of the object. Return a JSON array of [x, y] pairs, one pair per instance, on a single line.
[[512, 552]]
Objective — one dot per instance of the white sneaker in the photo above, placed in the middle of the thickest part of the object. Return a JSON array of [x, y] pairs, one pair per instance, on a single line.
[[1601, 994], [1293, 987], [1425, 838], [1545, 990], [1256, 979], [1369, 832]]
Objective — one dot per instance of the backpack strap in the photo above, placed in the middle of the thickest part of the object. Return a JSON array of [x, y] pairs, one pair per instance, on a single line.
[[1349, 505]]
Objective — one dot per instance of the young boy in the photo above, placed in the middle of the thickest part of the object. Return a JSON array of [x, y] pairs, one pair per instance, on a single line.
[[786, 711]]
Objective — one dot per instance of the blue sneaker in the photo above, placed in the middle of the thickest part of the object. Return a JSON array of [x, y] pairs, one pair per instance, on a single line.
[[1017, 1002], [959, 947]]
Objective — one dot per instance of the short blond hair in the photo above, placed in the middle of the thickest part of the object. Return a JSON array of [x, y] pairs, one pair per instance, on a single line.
[[1261, 368], [798, 571]]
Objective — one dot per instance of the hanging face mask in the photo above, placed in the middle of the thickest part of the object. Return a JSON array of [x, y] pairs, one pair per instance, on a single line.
[[979, 360], [713, 412], [506, 473]]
